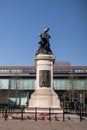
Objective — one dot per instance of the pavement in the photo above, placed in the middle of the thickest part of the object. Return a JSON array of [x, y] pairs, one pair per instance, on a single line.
[[41, 125]]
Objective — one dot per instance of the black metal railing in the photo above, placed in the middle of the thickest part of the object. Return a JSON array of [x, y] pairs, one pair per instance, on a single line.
[[50, 114]]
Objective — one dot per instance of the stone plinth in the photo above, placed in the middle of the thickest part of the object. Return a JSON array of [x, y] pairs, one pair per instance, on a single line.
[[44, 71], [44, 98], [44, 95]]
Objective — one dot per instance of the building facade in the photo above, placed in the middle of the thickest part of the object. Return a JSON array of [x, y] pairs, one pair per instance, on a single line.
[[17, 83]]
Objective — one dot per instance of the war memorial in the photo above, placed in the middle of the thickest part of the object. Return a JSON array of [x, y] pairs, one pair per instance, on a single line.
[[44, 95], [43, 86], [47, 84], [46, 88]]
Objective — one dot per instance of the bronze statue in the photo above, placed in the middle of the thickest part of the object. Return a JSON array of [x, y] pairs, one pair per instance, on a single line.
[[44, 47]]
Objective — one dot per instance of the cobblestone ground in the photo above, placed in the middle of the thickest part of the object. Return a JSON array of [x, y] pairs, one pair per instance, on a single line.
[[41, 125]]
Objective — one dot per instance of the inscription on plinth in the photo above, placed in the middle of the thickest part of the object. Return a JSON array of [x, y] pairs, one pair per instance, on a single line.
[[44, 78]]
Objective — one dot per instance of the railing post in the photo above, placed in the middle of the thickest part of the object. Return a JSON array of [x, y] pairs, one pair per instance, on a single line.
[[3, 111], [49, 113], [6, 116], [35, 113], [63, 115], [85, 110], [64, 107], [80, 114], [22, 113]]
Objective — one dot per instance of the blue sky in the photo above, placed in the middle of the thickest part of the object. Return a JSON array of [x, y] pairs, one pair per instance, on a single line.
[[22, 20]]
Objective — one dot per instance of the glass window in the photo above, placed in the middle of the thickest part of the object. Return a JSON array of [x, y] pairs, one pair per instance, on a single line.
[[4, 83]]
